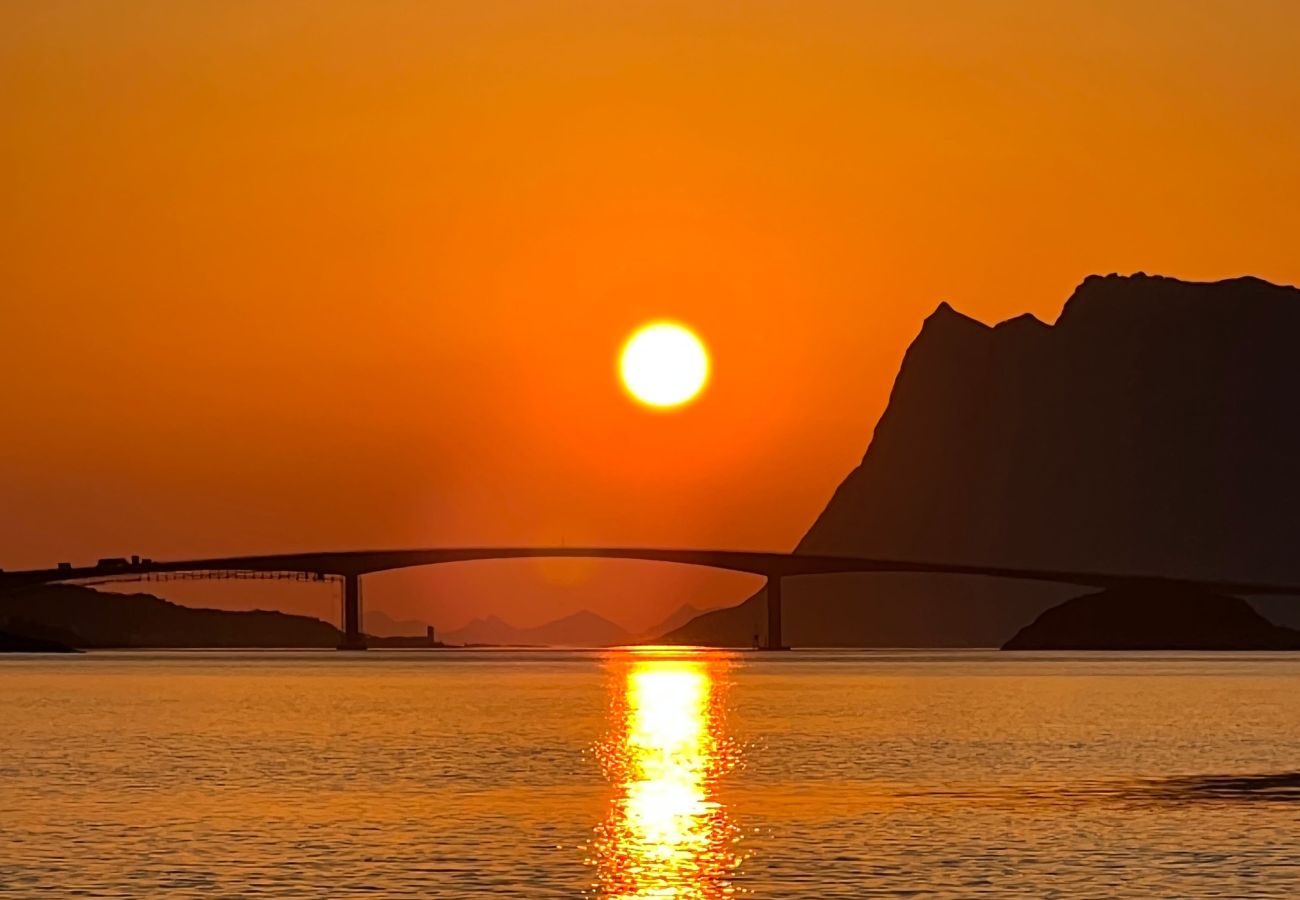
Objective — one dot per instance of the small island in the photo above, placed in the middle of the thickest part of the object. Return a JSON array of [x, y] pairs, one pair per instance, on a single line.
[[1153, 617]]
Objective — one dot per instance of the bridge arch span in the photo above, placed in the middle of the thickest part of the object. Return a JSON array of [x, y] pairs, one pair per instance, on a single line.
[[351, 565]]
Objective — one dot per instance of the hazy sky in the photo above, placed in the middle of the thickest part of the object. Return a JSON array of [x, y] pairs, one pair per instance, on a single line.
[[280, 276]]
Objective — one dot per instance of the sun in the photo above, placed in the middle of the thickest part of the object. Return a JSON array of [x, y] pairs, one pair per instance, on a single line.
[[663, 364]]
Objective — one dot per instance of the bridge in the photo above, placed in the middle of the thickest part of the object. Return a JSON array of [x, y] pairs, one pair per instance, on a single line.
[[351, 565]]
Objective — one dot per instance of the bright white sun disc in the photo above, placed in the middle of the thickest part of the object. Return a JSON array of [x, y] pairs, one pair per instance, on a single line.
[[664, 364]]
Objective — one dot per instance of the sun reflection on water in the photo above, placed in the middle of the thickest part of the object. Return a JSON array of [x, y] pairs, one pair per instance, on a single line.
[[667, 834]]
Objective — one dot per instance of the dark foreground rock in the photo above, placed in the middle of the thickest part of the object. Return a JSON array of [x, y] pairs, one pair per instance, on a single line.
[[18, 643], [90, 619], [1153, 618]]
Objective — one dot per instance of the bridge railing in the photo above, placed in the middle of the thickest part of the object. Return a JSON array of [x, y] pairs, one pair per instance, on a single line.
[[208, 575]]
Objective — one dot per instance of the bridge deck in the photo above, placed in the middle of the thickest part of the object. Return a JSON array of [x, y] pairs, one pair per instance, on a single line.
[[767, 564]]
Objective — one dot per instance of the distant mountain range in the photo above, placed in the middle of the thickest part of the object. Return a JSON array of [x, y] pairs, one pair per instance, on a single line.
[[1151, 430], [382, 625], [582, 629]]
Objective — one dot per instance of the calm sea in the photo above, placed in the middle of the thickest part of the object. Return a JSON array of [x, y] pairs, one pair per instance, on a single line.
[[649, 774]]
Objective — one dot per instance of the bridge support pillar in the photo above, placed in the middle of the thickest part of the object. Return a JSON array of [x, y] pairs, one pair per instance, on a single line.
[[353, 639], [774, 639]]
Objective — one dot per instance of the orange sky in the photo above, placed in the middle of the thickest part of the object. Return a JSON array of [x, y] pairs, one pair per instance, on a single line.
[[280, 276]]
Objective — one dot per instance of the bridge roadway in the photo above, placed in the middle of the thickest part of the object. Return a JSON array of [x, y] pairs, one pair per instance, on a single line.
[[350, 565]]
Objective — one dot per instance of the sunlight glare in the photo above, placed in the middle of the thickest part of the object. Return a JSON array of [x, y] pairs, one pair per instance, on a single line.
[[667, 835]]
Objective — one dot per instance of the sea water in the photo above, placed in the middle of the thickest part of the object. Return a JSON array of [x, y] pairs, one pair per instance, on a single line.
[[673, 773]]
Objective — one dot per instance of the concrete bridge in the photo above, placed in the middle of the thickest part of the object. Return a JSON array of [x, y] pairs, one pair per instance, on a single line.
[[350, 565]]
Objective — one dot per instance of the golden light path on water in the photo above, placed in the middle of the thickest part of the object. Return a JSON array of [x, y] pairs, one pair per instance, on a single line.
[[667, 834]]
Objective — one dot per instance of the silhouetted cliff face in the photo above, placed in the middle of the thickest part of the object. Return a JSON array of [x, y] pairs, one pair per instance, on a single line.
[[1152, 429], [1153, 619]]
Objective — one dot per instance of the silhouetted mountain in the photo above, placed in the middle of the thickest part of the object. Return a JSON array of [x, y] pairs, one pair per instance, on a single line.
[[93, 619], [1151, 430], [378, 623], [582, 629], [1153, 619]]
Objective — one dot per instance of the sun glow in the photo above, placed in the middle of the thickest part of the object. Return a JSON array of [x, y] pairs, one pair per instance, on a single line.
[[664, 364]]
